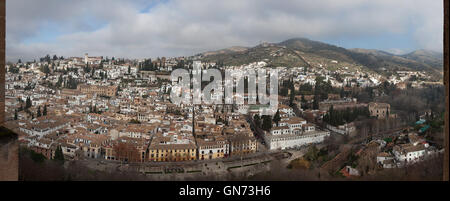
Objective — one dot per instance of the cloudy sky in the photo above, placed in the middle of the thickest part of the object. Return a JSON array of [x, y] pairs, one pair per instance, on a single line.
[[142, 29]]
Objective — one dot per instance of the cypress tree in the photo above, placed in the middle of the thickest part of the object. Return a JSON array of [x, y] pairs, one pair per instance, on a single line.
[[28, 103], [276, 117], [45, 110], [292, 96], [331, 116], [39, 112], [257, 120], [303, 101], [267, 123]]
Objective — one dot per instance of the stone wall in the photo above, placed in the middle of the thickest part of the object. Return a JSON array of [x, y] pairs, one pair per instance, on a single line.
[[446, 69], [2, 60], [9, 156]]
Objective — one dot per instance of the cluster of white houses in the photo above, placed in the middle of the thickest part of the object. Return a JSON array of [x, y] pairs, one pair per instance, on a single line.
[[417, 149], [292, 131], [43, 126]]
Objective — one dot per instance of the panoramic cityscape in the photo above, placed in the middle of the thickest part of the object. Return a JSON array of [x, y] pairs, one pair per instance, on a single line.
[[270, 108]]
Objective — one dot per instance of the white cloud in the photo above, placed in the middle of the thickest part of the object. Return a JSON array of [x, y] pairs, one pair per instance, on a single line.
[[180, 27]]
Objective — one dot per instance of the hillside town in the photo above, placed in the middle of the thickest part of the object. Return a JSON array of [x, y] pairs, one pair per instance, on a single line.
[[97, 108]]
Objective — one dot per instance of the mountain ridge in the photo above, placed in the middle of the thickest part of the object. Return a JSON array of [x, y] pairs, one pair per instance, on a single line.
[[305, 52]]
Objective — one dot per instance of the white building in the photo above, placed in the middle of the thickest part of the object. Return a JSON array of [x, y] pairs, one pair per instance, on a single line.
[[386, 160], [284, 141], [43, 127], [293, 132], [408, 153]]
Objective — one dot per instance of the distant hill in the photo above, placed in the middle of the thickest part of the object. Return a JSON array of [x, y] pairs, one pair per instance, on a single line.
[[318, 49], [273, 54], [305, 52], [233, 49], [432, 58]]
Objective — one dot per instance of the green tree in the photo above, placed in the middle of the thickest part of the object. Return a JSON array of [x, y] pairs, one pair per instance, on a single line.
[[72, 83], [39, 112], [316, 102], [92, 72], [135, 121], [14, 70], [306, 88], [59, 82], [45, 69], [322, 88], [257, 120], [28, 103], [45, 110], [86, 68], [267, 123], [312, 153], [276, 117], [304, 103], [292, 96]]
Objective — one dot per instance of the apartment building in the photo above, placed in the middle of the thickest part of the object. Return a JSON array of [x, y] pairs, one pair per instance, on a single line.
[[99, 90]]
